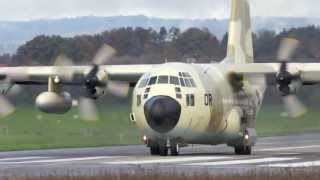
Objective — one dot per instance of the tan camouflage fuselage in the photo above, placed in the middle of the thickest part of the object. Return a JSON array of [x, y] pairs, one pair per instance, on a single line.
[[223, 120]]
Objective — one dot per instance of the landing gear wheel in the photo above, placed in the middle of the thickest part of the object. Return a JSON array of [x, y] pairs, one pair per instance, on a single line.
[[243, 150], [154, 150], [174, 149], [163, 150]]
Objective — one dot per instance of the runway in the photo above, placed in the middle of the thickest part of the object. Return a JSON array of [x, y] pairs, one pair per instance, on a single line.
[[270, 153]]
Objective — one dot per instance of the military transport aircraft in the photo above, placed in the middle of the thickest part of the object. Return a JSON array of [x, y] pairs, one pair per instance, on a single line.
[[176, 104]]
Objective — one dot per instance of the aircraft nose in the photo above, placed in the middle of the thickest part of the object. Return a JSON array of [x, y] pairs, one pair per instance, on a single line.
[[162, 113]]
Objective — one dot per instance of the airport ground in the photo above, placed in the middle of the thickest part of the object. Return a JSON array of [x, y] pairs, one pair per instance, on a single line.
[[288, 149], [29, 129], [277, 157]]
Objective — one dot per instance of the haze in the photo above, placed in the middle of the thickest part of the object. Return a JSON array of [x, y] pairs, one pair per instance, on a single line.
[[192, 9]]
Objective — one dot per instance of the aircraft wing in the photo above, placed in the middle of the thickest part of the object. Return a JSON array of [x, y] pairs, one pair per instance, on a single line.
[[309, 73], [39, 75]]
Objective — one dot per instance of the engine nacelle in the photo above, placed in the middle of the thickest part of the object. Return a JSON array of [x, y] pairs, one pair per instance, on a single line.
[[292, 88], [96, 93], [54, 103]]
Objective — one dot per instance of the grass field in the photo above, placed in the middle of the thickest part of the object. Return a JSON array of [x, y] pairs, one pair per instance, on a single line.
[[271, 121], [27, 128], [30, 129]]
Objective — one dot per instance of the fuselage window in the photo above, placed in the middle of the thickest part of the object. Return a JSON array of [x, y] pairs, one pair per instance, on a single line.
[[163, 80], [190, 100], [147, 90], [182, 82], [174, 80], [138, 100], [152, 80]]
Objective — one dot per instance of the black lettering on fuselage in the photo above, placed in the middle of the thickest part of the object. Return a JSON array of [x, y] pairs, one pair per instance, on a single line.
[[208, 99]]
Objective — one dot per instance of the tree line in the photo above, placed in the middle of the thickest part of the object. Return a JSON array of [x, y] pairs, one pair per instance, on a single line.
[[146, 45], [140, 45]]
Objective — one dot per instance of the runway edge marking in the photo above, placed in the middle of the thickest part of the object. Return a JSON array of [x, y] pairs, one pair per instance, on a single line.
[[289, 148], [243, 161], [166, 160], [60, 160], [23, 158], [294, 165]]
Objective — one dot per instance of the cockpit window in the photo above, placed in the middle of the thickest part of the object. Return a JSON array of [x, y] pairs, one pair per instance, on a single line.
[[152, 80], [174, 80], [193, 84], [163, 80], [185, 74], [182, 82], [188, 83], [143, 83]]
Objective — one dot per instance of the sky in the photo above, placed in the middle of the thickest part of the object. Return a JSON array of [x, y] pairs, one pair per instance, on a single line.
[[13, 10]]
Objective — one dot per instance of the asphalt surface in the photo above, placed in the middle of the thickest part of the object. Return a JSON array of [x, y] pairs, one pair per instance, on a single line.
[[270, 153]]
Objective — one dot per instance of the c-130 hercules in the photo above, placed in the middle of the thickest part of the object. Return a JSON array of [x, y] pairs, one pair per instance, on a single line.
[[176, 104]]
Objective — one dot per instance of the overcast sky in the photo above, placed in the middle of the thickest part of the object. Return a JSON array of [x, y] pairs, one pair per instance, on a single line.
[[39, 9]]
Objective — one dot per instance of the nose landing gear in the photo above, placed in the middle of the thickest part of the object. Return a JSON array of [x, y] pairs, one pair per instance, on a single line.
[[162, 148], [174, 149]]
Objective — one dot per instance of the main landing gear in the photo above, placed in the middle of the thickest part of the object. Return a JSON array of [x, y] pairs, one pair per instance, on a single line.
[[245, 147], [243, 150]]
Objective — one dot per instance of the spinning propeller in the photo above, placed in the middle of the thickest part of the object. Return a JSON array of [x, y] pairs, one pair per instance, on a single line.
[[7, 89], [287, 81], [95, 82]]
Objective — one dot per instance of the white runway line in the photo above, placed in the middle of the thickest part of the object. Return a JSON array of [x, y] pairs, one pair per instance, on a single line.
[[166, 160], [293, 165], [60, 160], [22, 158], [289, 148], [244, 161]]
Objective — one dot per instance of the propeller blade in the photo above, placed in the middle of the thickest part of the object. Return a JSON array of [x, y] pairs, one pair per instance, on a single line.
[[283, 67], [14, 90], [88, 110], [61, 62], [93, 72], [287, 48], [118, 88], [104, 54], [6, 108], [294, 107]]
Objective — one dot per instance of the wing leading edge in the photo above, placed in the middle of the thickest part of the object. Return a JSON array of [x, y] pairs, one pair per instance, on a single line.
[[39, 75], [309, 73]]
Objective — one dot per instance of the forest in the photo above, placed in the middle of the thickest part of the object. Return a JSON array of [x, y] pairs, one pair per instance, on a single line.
[[141, 46]]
